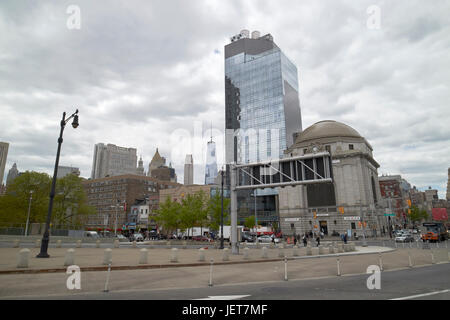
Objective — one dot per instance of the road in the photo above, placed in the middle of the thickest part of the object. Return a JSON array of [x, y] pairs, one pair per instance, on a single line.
[[431, 282]]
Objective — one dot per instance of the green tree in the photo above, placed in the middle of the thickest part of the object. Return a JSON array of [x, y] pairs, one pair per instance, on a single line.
[[215, 211], [14, 205], [250, 222], [70, 202], [418, 215], [169, 215], [194, 211]]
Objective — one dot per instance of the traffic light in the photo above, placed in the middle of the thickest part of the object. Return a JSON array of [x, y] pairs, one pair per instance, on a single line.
[[341, 210], [409, 202]]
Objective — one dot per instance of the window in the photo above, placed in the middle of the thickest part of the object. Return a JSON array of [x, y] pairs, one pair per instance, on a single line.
[[350, 146]]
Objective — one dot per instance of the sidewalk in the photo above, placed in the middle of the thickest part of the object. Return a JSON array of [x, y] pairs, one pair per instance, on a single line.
[[237, 271]]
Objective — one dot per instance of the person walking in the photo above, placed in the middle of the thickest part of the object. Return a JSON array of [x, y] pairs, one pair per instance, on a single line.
[[295, 240], [305, 240], [318, 240], [345, 238]]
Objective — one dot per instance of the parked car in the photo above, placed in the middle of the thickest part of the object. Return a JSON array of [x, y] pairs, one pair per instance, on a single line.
[[91, 234], [137, 237], [265, 239], [201, 238], [405, 237], [247, 236]]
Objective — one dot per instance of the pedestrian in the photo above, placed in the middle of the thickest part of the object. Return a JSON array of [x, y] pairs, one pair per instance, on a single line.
[[295, 240], [318, 240], [305, 240], [345, 238]]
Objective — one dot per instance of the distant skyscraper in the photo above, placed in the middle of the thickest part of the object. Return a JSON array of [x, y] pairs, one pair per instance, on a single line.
[[189, 170], [3, 156], [156, 162], [211, 163], [12, 174], [262, 111], [262, 107], [64, 171], [112, 160], [140, 169]]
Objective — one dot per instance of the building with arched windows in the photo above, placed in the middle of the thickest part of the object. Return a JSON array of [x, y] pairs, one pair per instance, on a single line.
[[352, 202]]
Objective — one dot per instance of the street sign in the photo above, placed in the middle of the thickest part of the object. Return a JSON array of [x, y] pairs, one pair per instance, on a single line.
[[389, 214]]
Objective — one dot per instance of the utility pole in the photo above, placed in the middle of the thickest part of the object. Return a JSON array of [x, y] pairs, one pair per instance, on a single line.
[[28, 216]]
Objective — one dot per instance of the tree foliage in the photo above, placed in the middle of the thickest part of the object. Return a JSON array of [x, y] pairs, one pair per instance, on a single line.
[[215, 211], [250, 222], [417, 214]]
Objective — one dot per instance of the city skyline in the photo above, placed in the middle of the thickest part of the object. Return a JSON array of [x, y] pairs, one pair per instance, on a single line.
[[377, 81]]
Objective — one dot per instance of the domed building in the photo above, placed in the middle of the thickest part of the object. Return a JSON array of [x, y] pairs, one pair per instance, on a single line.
[[351, 202]]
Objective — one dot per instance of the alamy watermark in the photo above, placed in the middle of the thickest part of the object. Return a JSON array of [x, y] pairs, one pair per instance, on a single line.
[[374, 281], [74, 280], [374, 19], [74, 20]]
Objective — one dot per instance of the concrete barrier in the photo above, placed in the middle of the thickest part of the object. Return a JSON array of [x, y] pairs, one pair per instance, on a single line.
[[321, 250], [246, 253], [134, 244], [340, 248], [70, 258], [331, 249], [78, 243], [281, 251], [225, 254], [23, 258], [107, 256], [97, 243], [184, 244], [143, 257], [308, 251], [201, 254], [174, 255], [264, 253], [38, 243], [272, 245], [347, 247], [58, 244], [116, 243], [295, 251], [16, 244]]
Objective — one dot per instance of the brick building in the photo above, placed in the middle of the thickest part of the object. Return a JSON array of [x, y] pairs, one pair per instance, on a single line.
[[117, 194]]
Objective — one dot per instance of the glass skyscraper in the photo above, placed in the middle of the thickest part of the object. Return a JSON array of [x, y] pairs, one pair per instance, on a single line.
[[262, 107]]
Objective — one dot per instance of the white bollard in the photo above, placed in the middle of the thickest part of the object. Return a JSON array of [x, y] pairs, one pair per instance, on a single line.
[[38, 243], [143, 258], [184, 244], [201, 254], [16, 244], [58, 244], [169, 243], [264, 253], [23, 258], [70, 258], [107, 256], [285, 269], [381, 262], [116, 243], [174, 255], [78, 243], [211, 273], [338, 267], [409, 259], [107, 278], [225, 255], [134, 244], [246, 253], [308, 251], [97, 243]]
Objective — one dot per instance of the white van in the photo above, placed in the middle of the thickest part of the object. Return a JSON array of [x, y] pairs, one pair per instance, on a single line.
[[91, 234]]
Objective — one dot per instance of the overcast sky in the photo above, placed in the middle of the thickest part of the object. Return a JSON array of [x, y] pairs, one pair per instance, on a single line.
[[148, 74]]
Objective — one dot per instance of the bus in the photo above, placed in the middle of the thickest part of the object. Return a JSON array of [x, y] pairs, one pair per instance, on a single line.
[[435, 231]]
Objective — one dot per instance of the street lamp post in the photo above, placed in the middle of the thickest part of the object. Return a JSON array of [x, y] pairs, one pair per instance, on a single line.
[[28, 216], [45, 237]]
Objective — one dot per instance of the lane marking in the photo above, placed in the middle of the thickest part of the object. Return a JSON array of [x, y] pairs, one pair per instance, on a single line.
[[422, 295], [224, 297]]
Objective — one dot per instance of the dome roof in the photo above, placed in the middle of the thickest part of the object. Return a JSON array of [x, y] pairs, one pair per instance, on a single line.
[[326, 129]]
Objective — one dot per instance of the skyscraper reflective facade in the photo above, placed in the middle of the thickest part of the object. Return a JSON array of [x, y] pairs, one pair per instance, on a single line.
[[211, 163], [261, 98], [262, 112]]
